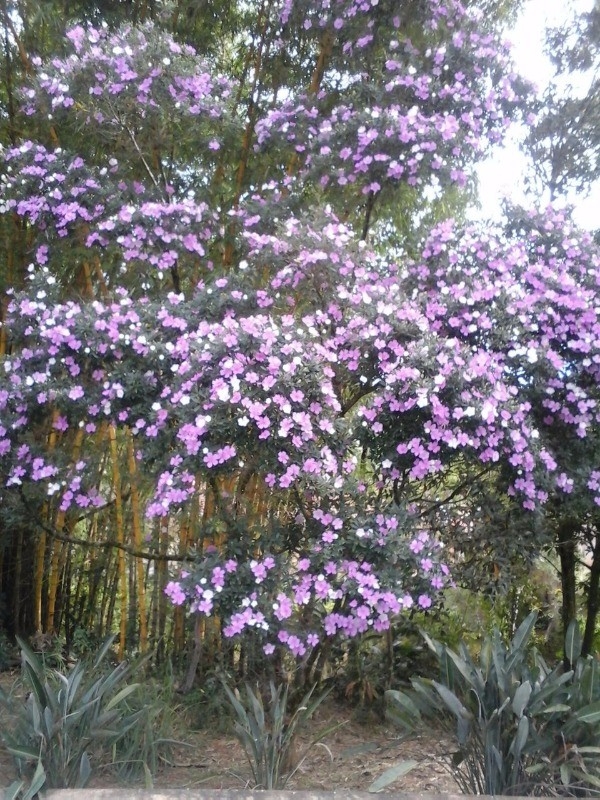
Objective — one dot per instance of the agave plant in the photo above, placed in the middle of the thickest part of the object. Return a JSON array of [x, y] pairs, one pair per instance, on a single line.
[[64, 715], [520, 726]]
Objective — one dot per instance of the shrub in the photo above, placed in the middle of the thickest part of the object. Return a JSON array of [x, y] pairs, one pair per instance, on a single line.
[[520, 726], [150, 742], [268, 732], [64, 715]]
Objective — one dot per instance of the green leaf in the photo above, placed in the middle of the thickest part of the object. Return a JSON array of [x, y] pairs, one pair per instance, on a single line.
[[586, 777], [520, 642], [100, 656], [311, 707], [120, 696], [432, 644], [469, 671], [589, 714], [452, 702], [400, 708], [22, 751], [37, 781], [463, 730], [485, 657], [256, 706], [35, 677], [590, 680], [549, 691], [148, 779], [557, 708], [520, 740], [74, 682], [521, 698], [446, 669], [392, 774], [573, 642], [85, 770], [12, 792], [535, 769], [523, 632], [360, 749]]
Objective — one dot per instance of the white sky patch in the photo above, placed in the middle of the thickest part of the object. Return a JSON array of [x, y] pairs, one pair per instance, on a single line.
[[502, 176]]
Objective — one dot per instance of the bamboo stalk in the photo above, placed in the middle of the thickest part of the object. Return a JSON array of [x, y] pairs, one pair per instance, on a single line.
[[197, 508], [53, 577], [63, 560], [89, 610], [178, 614], [58, 558], [65, 616], [40, 550], [111, 590], [38, 578], [136, 526], [120, 530], [161, 574], [107, 597], [152, 572]]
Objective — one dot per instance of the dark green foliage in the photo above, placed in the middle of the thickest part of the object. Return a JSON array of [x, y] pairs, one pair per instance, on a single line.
[[564, 143], [149, 743], [6, 652], [65, 715], [267, 732], [520, 726], [207, 705], [26, 790]]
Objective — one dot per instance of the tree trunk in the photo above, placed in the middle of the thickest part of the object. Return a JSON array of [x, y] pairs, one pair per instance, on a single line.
[[120, 530], [566, 545], [592, 601]]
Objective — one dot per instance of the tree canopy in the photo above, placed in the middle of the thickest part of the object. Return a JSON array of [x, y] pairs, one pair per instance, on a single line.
[[232, 336]]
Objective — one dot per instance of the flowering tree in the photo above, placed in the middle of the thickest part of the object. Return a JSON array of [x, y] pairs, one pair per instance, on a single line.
[[307, 393]]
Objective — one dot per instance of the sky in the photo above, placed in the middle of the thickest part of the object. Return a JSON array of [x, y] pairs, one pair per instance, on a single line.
[[502, 175]]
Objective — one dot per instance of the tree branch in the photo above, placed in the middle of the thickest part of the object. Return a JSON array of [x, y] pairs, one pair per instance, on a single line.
[[145, 554]]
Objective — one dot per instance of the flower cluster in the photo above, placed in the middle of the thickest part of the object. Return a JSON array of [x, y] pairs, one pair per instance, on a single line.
[[67, 200], [266, 595], [437, 105], [342, 383], [136, 86], [480, 348], [128, 75]]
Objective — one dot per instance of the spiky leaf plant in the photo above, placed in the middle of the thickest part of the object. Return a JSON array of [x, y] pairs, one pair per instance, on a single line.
[[520, 726], [65, 715], [267, 732]]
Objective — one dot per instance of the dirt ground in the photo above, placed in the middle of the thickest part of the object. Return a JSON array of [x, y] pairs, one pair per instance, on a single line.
[[351, 757]]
